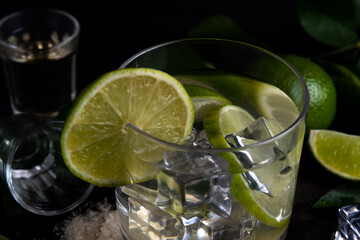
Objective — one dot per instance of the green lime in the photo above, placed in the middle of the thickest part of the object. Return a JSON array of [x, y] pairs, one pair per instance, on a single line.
[[265, 99], [337, 152], [221, 121], [273, 210], [204, 99], [98, 145], [322, 107]]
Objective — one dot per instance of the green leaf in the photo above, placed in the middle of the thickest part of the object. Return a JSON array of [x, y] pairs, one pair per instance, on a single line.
[[221, 26], [346, 81], [357, 12], [332, 22], [346, 194]]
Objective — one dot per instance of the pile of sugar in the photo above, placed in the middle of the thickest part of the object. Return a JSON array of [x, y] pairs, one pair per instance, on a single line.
[[97, 223]]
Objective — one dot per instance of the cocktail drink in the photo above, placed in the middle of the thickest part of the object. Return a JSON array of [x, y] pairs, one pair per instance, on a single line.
[[235, 175]]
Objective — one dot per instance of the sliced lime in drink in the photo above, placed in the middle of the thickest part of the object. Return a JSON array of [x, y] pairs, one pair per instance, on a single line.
[[272, 205], [267, 100], [221, 121], [204, 99], [274, 211], [337, 152], [97, 143]]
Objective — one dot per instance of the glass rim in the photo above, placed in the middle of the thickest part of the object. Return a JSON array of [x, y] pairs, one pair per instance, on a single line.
[[61, 44], [282, 134]]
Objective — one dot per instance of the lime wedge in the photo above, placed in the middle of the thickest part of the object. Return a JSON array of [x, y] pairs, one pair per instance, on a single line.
[[204, 99], [338, 152], [278, 177], [97, 144], [221, 121]]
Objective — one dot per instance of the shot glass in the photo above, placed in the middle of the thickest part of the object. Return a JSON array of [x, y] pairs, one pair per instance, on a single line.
[[243, 190], [38, 51], [31, 164]]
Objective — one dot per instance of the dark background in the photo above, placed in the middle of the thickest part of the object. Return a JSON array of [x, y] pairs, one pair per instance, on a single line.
[[112, 31]]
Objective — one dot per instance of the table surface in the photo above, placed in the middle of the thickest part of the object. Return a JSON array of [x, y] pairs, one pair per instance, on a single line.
[[112, 33], [306, 222]]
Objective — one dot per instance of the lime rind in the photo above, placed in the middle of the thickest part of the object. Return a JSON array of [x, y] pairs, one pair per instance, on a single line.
[[96, 142]]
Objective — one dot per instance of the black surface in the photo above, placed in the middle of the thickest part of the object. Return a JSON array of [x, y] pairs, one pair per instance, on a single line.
[[112, 31]]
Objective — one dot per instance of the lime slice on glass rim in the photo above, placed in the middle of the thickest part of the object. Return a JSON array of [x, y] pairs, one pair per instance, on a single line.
[[97, 143], [337, 152], [273, 210]]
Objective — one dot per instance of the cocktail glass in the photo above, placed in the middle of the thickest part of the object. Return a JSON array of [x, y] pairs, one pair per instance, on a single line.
[[203, 192]]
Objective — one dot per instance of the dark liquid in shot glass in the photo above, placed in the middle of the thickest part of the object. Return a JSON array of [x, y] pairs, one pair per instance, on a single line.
[[40, 84]]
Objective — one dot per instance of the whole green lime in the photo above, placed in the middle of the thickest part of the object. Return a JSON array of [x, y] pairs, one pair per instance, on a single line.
[[322, 91]]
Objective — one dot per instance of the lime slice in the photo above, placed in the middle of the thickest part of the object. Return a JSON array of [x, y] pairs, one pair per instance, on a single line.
[[204, 99], [274, 211], [97, 144], [338, 152], [278, 177], [267, 100], [221, 121]]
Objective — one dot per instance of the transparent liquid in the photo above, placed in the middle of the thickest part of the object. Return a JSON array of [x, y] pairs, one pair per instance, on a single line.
[[191, 197], [41, 81]]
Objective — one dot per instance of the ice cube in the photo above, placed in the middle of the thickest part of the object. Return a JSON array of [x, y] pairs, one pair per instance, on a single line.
[[219, 228], [199, 139], [182, 191], [348, 223], [147, 221], [235, 227], [255, 183], [193, 162], [220, 196], [176, 161], [190, 180], [145, 191], [259, 130], [273, 154]]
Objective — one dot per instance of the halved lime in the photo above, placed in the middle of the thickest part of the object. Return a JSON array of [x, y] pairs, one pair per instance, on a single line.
[[337, 152], [273, 205], [97, 144], [204, 99]]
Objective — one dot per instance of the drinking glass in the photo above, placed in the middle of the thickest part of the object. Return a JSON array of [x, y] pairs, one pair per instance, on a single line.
[[32, 166], [245, 191], [38, 51]]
